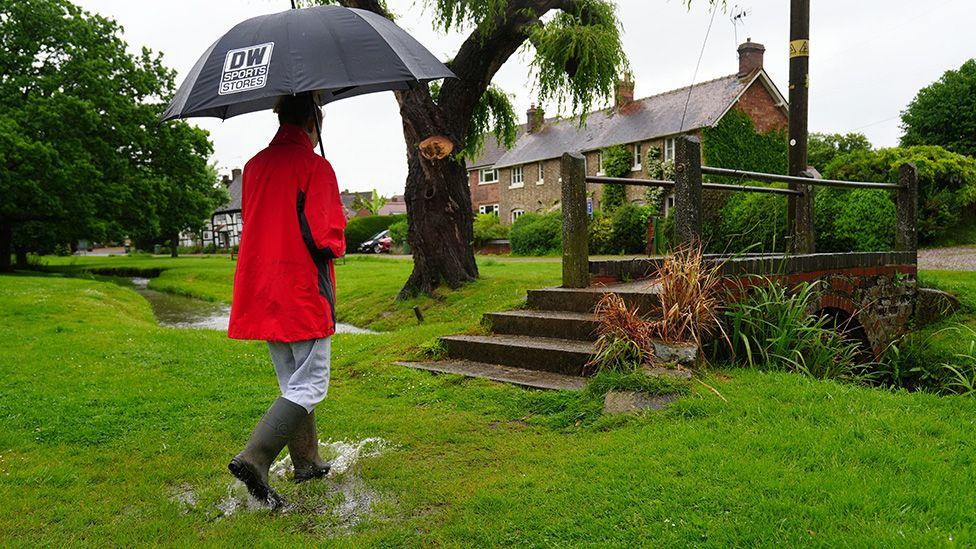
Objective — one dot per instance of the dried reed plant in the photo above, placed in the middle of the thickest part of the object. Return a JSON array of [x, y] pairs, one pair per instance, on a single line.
[[689, 297], [624, 338]]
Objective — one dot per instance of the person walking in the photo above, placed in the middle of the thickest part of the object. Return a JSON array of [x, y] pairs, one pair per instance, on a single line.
[[284, 289]]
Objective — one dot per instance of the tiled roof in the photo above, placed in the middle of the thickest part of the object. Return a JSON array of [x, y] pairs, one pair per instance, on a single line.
[[492, 151], [649, 118], [234, 190]]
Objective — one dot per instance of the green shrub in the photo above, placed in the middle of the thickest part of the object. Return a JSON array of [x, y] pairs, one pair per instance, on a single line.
[[537, 234], [398, 232], [735, 143], [617, 162], [946, 182], [857, 220], [360, 229], [601, 234], [630, 229], [488, 227], [749, 222]]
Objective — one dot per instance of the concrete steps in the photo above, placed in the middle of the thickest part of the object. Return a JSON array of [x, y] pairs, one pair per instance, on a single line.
[[505, 374], [640, 294], [545, 345], [561, 356], [552, 324]]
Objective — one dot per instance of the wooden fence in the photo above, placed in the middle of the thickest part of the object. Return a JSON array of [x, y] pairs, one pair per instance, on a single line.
[[688, 185]]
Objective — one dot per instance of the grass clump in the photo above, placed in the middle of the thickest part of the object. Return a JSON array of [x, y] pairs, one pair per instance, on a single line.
[[772, 328]]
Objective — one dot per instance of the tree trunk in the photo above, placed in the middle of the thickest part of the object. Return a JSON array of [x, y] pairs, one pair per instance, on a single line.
[[174, 246], [438, 203], [21, 258], [6, 239]]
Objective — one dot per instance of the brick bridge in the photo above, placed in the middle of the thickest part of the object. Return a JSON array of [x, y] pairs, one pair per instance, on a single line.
[[548, 343]]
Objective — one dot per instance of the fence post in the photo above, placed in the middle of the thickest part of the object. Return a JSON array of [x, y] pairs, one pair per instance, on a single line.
[[907, 207], [804, 241], [687, 190], [576, 254]]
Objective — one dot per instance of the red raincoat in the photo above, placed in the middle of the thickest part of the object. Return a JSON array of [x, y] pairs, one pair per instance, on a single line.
[[294, 226]]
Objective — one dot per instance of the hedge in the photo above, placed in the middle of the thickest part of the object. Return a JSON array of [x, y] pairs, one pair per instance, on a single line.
[[537, 234], [361, 229]]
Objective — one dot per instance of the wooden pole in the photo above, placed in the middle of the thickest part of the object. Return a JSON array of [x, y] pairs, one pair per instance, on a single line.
[[800, 207], [687, 190], [576, 253]]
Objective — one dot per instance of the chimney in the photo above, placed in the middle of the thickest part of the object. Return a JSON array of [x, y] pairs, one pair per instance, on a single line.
[[534, 118], [225, 180], [750, 57], [236, 173], [625, 92]]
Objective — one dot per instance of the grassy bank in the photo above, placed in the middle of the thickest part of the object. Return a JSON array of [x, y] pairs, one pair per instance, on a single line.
[[109, 421]]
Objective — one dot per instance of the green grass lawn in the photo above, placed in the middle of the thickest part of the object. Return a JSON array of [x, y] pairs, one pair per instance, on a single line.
[[107, 417]]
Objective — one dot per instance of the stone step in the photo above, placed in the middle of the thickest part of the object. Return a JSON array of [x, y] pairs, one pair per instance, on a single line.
[[505, 374], [641, 294], [561, 356], [555, 324]]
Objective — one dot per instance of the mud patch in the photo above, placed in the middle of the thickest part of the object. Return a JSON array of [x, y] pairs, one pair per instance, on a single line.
[[339, 502]]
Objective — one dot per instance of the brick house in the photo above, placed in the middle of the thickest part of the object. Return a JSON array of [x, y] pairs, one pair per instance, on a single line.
[[525, 178]]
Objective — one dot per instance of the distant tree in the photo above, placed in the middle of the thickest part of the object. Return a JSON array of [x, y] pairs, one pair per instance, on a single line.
[[82, 152], [944, 113], [373, 204], [577, 56], [824, 147]]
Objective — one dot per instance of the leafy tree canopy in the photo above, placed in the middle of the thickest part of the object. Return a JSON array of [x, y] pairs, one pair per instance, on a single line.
[[944, 113], [824, 147], [84, 154]]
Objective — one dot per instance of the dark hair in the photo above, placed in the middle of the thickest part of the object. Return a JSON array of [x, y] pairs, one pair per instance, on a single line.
[[297, 109]]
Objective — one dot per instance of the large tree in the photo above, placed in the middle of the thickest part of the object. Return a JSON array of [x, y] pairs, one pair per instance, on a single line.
[[577, 59], [824, 147], [82, 154], [944, 113]]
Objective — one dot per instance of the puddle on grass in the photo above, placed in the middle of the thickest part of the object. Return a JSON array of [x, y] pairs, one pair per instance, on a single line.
[[347, 501], [177, 311]]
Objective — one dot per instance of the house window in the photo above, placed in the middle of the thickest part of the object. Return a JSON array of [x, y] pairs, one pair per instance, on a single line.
[[599, 165], [518, 179], [517, 214], [488, 175], [669, 149], [542, 175], [488, 208], [668, 204], [637, 157]]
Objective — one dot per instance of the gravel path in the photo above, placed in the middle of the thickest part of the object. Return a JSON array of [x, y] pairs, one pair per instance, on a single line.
[[959, 258]]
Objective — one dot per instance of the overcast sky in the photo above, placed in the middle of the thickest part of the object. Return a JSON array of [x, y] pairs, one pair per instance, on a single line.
[[868, 59]]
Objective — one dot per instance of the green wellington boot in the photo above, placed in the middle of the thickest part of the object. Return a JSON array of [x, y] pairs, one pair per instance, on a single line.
[[269, 437], [304, 449]]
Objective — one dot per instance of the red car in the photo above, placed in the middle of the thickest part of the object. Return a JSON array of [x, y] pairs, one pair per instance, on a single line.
[[380, 243]]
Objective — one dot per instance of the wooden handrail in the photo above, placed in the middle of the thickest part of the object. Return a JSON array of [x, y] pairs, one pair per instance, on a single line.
[[670, 184]]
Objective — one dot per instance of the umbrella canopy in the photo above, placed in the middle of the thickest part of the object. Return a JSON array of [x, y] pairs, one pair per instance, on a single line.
[[339, 52]]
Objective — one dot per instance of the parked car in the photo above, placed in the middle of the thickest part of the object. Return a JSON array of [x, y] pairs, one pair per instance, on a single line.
[[380, 243]]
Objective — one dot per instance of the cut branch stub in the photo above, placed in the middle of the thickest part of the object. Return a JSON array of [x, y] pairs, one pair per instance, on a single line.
[[436, 147]]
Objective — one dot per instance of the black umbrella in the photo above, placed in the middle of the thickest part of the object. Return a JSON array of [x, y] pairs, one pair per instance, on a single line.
[[335, 51]]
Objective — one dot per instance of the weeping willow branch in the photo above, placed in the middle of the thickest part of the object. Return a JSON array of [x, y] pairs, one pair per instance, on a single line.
[[579, 55], [493, 114]]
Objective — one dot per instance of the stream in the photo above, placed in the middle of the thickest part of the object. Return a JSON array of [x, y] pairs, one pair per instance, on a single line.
[[177, 311]]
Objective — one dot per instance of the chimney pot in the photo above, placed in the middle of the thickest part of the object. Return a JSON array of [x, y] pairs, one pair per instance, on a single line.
[[750, 57]]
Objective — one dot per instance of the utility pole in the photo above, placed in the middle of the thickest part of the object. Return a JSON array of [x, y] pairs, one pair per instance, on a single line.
[[801, 207]]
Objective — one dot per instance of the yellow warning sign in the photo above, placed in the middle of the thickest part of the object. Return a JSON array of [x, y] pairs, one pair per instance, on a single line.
[[799, 48]]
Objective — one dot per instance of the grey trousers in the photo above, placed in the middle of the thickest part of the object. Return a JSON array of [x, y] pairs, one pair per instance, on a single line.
[[303, 369]]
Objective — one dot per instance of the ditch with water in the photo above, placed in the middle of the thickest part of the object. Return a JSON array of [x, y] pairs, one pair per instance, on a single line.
[[177, 311]]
